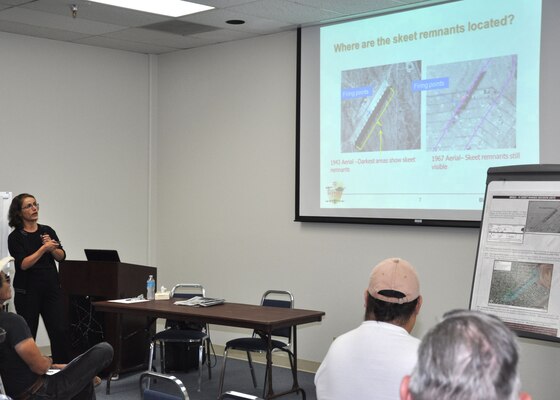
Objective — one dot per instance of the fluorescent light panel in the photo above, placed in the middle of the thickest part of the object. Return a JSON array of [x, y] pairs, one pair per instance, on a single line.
[[171, 8]]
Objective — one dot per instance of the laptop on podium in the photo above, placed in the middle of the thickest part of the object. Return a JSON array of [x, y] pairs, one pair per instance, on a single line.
[[102, 255]]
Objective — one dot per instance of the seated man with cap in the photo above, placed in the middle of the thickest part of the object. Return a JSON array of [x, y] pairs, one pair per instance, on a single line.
[[370, 361]]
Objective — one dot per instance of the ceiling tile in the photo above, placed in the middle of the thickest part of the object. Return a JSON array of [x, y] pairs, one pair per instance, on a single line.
[[218, 18], [13, 2], [112, 43], [284, 10], [39, 31], [179, 27], [53, 21], [349, 6], [157, 38], [224, 35], [223, 3]]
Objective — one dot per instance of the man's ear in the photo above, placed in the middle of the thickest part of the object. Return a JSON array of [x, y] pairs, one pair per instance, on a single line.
[[524, 396], [405, 394], [365, 298], [419, 304]]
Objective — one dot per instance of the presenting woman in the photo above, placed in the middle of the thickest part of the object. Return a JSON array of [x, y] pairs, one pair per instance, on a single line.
[[37, 289]]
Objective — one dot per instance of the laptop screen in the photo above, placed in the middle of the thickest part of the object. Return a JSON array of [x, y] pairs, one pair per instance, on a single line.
[[101, 255]]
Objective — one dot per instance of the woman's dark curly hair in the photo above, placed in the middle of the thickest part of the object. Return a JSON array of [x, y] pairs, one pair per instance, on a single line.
[[14, 213]]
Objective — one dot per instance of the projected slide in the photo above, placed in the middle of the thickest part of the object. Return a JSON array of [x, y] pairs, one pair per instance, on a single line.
[[388, 120], [479, 113], [414, 107]]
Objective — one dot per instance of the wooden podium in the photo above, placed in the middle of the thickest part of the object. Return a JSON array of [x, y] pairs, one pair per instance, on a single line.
[[84, 282]]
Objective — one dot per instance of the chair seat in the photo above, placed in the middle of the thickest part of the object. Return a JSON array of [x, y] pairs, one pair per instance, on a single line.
[[253, 344], [155, 395], [260, 341], [190, 333], [180, 335]]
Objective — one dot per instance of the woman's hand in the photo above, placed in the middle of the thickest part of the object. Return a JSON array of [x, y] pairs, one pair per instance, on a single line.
[[49, 244]]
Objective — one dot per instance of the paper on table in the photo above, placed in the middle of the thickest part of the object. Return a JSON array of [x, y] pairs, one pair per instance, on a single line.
[[199, 301], [52, 371]]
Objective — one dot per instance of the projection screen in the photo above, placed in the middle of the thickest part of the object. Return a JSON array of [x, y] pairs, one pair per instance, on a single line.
[[401, 115]]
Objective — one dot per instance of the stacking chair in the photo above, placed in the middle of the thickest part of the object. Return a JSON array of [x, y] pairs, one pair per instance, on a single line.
[[281, 338], [191, 337], [148, 393]]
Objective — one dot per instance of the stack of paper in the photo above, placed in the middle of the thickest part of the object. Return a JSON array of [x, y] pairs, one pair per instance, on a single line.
[[199, 301]]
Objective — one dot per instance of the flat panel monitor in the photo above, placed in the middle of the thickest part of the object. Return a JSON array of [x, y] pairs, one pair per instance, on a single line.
[[102, 255]]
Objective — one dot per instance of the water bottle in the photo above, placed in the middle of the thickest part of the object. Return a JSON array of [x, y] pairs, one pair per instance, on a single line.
[[151, 288]]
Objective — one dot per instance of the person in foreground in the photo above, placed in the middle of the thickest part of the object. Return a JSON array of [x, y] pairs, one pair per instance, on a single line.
[[36, 249], [370, 361], [468, 356], [23, 369]]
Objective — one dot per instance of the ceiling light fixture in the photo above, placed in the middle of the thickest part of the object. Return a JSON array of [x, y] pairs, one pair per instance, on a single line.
[[171, 8]]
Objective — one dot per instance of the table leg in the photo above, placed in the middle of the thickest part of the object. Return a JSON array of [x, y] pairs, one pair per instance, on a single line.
[[295, 386], [269, 392], [268, 383]]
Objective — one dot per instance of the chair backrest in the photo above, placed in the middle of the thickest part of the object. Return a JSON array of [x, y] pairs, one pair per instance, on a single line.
[[238, 395], [148, 393], [187, 290], [283, 299]]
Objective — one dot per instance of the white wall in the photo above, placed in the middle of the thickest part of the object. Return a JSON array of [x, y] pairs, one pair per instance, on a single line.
[[74, 132], [226, 145], [226, 153]]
